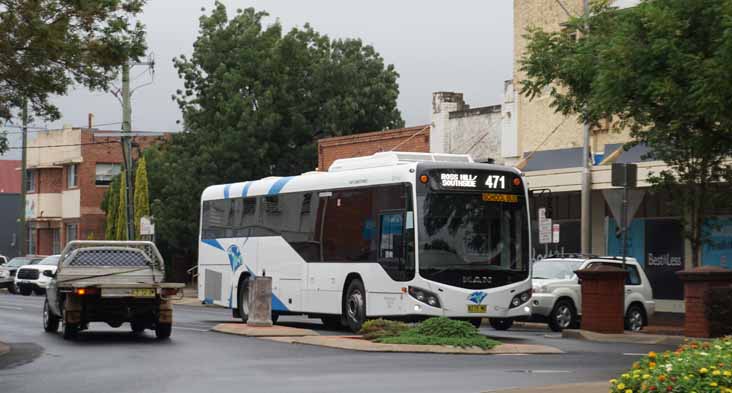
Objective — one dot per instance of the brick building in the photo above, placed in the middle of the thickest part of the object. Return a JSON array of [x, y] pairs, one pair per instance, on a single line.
[[415, 139], [9, 206], [69, 171]]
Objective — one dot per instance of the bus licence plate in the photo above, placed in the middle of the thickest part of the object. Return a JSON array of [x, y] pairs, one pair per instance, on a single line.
[[143, 292], [477, 308]]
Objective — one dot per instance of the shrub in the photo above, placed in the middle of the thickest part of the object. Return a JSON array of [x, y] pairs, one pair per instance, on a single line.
[[377, 328], [694, 367], [441, 331]]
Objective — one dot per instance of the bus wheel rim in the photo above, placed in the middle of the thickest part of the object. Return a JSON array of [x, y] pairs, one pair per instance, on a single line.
[[355, 305]]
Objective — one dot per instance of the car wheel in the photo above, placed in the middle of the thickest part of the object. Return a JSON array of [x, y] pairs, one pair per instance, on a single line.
[[332, 322], [13, 289], [25, 291], [163, 330], [355, 305], [70, 330], [50, 321], [39, 291], [635, 318], [501, 323], [563, 316], [243, 300]]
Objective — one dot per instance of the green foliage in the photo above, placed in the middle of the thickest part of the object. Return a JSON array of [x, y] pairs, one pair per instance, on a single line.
[[660, 70], [121, 225], [110, 205], [378, 328], [49, 45], [694, 367], [440, 331], [142, 200], [255, 101]]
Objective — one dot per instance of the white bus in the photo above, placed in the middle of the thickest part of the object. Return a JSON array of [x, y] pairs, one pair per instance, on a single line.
[[395, 235]]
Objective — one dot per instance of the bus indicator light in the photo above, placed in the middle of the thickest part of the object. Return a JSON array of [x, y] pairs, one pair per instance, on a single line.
[[516, 181], [424, 179]]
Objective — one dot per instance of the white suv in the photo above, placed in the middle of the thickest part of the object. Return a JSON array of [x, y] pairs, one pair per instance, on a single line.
[[35, 278], [557, 294]]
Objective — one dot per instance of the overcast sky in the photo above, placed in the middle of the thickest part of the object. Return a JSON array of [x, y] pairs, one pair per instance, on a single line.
[[460, 45]]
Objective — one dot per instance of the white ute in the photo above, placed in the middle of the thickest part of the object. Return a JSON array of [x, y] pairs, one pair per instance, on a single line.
[[557, 294]]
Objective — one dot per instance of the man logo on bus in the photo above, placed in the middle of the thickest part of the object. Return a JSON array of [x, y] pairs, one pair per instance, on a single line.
[[234, 257], [477, 297]]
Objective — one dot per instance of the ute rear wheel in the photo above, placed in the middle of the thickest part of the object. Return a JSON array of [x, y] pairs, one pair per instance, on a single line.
[[70, 330], [137, 327], [50, 321], [163, 330], [355, 305]]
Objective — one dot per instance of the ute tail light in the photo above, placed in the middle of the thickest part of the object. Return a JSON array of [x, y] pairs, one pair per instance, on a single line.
[[169, 291], [86, 291]]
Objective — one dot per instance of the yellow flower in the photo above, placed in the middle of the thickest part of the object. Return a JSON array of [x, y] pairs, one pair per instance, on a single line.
[[646, 376], [621, 386], [728, 374], [628, 391], [703, 370], [613, 381], [716, 372], [652, 365], [713, 384], [652, 355]]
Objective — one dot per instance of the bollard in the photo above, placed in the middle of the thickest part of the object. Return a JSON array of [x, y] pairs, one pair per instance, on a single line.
[[260, 302], [603, 299]]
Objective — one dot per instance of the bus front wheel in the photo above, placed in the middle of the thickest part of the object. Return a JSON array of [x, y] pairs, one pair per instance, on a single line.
[[355, 305], [243, 299]]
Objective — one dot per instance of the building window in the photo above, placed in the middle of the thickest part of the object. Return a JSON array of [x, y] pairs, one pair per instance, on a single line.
[[56, 241], [31, 240], [106, 172], [71, 232], [71, 178], [30, 181]]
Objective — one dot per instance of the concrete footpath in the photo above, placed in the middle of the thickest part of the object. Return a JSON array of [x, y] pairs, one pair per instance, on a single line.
[[290, 335], [627, 337], [592, 387]]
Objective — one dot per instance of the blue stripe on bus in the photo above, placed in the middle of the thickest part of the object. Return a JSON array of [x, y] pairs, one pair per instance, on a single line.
[[213, 243], [245, 190], [226, 191], [277, 187]]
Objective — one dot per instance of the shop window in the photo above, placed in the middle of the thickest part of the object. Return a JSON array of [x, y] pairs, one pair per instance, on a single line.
[[106, 172]]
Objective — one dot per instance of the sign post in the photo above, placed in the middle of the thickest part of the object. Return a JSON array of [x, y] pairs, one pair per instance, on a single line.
[[624, 175], [545, 230]]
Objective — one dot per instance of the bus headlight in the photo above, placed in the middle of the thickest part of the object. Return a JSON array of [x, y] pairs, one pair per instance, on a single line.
[[520, 299], [424, 296]]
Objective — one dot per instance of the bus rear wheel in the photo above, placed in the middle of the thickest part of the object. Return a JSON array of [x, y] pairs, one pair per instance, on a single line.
[[501, 323], [355, 305]]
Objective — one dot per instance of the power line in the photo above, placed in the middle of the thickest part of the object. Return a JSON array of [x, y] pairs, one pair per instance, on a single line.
[[45, 129], [55, 146]]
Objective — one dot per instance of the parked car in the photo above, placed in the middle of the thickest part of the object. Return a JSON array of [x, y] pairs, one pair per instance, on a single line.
[[113, 282], [3, 260], [8, 270], [30, 278], [557, 295]]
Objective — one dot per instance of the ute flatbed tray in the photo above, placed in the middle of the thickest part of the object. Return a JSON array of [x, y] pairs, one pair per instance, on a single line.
[[129, 285]]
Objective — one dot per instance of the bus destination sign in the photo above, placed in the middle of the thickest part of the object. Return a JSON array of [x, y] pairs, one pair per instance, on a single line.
[[468, 180]]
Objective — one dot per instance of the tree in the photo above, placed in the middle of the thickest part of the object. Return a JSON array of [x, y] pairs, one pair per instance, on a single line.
[[121, 225], [255, 101], [660, 70], [142, 201], [110, 205], [48, 45]]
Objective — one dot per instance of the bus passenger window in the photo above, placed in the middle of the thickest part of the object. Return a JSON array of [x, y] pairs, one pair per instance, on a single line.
[[391, 244]]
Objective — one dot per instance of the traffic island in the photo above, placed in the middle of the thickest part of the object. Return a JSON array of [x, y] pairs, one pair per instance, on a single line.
[[242, 329], [356, 343], [626, 338]]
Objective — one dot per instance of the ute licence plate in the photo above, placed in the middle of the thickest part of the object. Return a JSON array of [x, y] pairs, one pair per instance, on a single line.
[[477, 308], [143, 292]]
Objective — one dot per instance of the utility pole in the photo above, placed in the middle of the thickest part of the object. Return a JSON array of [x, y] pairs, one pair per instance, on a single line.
[[22, 249], [586, 196], [127, 143]]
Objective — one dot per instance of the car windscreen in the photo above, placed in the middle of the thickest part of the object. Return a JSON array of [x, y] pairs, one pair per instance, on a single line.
[[108, 258], [49, 261], [18, 262], [555, 269]]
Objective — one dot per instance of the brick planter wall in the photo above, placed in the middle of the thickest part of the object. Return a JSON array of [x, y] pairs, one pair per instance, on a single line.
[[697, 283], [603, 292]]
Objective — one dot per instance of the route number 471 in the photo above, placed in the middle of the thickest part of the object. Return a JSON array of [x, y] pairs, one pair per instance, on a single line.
[[495, 181]]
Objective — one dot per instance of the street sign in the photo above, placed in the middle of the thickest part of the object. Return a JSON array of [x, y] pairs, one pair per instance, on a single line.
[[624, 175], [545, 227], [555, 233], [147, 228]]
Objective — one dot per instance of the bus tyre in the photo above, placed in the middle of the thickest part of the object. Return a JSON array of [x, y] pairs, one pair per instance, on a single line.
[[563, 316], [50, 321], [476, 322], [243, 299], [275, 317], [162, 330], [501, 323], [355, 305]]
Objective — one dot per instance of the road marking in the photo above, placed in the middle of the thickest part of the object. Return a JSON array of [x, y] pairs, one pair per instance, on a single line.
[[12, 308], [191, 329], [634, 354]]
